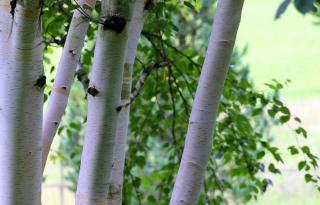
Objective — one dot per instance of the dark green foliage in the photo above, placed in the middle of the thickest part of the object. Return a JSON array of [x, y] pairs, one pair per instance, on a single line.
[[177, 32], [303, 6]]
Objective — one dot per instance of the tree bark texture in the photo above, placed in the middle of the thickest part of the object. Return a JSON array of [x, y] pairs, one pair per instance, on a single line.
[[103, 102], [134, 29], [205, 106], [21, 101], [65, 75]]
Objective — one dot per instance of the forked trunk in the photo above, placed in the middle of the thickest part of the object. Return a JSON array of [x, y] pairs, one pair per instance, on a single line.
[[103, 102], [134, 30]]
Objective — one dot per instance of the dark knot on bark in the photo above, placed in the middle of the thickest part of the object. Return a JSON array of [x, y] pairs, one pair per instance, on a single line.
[[93, 91], [114, 23], [41, 81]]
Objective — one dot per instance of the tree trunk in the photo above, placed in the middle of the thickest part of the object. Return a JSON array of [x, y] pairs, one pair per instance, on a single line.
[[116, 179], [203, 116], [103, 102], [21, 101], [5, 22], [64, 77]]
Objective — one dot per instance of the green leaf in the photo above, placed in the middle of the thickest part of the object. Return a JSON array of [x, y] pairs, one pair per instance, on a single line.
[[257, 111], [301, 165], [282, 8], [285, 118], [261, 154], [293, 150], [285, 110], [308, 178], [305, 149], [188, 4], [302, 131], [297, 119], [273, 169], [304, 6], [152, 199]]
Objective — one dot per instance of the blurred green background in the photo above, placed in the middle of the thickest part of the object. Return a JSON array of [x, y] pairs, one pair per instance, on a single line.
[[288, 48]]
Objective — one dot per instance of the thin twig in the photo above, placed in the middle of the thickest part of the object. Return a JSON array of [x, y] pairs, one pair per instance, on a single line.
[[143, 77]]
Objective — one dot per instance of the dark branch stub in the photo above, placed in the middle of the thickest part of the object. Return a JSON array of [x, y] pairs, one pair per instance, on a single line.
[[93, 91], [72, 52], [114, 23], [119, 108], [41, 81], [13, 5]]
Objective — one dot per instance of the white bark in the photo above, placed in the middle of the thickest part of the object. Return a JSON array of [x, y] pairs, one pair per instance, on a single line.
[[5, 22], [134, 30], [103, 101], [64, 77], [21, 100], [203, 116]]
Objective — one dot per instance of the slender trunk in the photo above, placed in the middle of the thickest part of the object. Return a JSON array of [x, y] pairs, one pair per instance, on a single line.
[[103, 100], [65, 74], [21, 98], [203, 116], [116, 179], [5, 22]]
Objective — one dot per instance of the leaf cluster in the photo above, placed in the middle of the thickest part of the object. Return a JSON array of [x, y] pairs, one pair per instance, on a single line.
[[176, 32]]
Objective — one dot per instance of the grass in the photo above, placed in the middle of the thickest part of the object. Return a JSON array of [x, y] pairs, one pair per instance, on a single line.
[[285, 49], [288, 48]]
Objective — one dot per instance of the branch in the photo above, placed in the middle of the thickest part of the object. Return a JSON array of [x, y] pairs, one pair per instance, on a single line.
[[143, 77], [150, 35], [82, 76]]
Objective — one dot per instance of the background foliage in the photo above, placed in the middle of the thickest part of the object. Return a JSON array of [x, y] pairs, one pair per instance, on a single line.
[[176, 33], [303, 6]]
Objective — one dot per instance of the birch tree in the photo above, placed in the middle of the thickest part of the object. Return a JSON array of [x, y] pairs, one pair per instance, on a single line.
[[65, 74], [116, 177], [205, 106], [166, 71], [103, 103], [21, 96]]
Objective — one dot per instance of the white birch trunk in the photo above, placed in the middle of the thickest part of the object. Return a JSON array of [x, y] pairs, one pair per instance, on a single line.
[[134, 29], [203, 116], [64, 77], [21, 100], [103, 100], [5, 22]]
